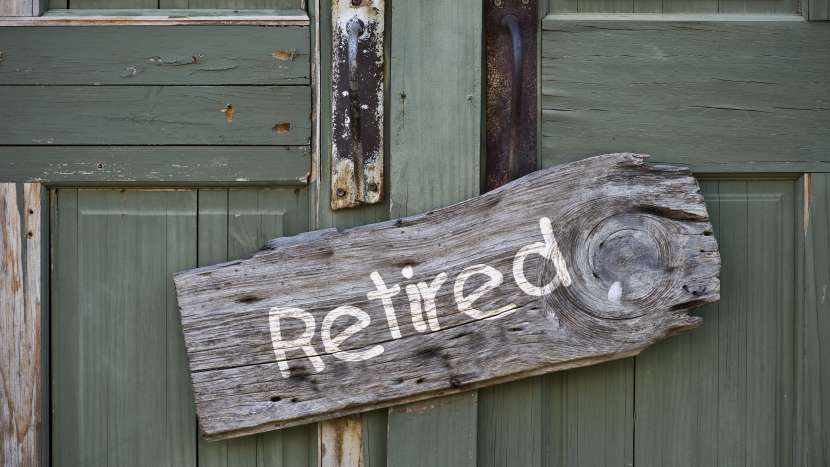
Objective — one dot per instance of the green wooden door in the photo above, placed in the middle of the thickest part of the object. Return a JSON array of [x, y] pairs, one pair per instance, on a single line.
[[120, 385], [744, 102]]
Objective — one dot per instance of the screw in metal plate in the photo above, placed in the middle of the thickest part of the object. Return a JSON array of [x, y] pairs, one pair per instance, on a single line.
[[341, 192]]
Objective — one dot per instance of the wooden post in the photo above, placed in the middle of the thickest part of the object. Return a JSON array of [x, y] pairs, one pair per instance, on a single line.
[[341, 442], [20, 330]]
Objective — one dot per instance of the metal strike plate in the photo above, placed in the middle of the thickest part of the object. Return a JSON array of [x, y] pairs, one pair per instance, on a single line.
[[357, 103], [511, 120]]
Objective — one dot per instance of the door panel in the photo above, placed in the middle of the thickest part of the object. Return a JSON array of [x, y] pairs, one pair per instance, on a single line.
[[719, 395], [723, 394], [120, 385], [719, 96]]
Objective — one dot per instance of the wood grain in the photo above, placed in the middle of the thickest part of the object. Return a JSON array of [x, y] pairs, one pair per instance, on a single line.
[[137, 165], [156, 115], [20, 324], [715, 94], [155, 55], [435, 152], [657, 206], [812, 435]]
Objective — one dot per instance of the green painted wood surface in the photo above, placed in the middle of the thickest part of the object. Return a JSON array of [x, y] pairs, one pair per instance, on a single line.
[[122, 395], [168, 4], [812, 430], [142, 165], [120, 391], [692, 93], [434, 121], [233, 224], [510, 421], [155, 115], [589, 416], [723, 395], [435, 432], [763, 7], [816, 10], [155, 55]]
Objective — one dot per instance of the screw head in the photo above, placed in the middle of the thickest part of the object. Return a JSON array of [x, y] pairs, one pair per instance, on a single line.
[[498, 3], [356, 2], [341, 192], [373, 187]]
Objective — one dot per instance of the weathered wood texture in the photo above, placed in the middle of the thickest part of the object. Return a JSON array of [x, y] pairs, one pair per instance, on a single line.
[[725, 395], [154, 55], [424, 100], [435, 152], [121, 395], [136, 165], [767, 7], [22, 7], [158, 115], [357, 100], [816, 10], [614, 308], [438, 431], [22, 293], [121, 391], [167, 17], [233, 224], [704, 94], [812, 430], [341, 442], [229, 5]]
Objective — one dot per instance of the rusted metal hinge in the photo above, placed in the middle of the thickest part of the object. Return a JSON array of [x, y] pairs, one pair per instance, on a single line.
[[510, 41], [357, 103]]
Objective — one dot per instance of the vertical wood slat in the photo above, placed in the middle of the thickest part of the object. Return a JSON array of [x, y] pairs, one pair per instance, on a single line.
[[111, 328], [234, 224], [435, 121], [812, 427], [341, 442], [723, 394], [21, 300], [815, 10]]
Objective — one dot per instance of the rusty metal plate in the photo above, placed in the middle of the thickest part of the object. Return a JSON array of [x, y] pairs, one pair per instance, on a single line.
[[511, 49], [357, 102]]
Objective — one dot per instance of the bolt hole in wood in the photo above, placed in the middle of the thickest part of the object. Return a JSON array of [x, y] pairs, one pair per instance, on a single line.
[[565, 267]]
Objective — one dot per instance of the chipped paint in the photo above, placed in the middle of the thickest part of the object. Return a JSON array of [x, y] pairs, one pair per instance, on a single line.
[[228, 111], [357, 102], [131, 71], [285, 55], [808, 199], [281, 128]]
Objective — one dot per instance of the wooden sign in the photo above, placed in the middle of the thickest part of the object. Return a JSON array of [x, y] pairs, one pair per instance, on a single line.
[[566, 267]]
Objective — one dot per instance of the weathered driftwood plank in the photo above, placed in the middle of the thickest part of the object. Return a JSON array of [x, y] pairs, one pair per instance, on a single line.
[[20, 307], [571, 266]]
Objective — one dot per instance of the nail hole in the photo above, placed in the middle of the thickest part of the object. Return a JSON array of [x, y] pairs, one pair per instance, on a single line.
[[281, 128]]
